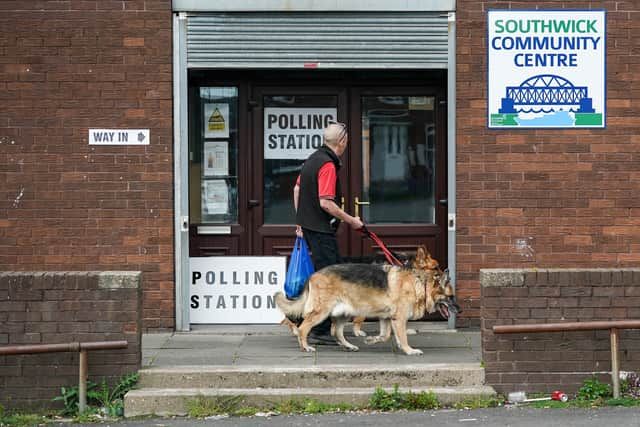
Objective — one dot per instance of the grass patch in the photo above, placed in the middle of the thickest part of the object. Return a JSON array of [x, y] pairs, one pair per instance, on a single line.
[[623, 401], [91, 415], [479, 402], [310, 406], [202, 406], [23, 420], [395, 400]]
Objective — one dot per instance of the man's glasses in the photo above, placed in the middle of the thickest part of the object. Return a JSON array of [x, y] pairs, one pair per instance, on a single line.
[[334, 122], [342, 125]]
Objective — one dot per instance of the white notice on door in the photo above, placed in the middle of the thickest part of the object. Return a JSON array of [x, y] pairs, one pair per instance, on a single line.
[[216, 197]]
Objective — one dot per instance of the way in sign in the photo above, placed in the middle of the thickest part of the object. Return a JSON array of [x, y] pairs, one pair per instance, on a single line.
[[101, 136]]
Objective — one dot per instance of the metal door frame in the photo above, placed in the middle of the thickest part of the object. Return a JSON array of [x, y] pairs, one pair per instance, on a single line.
[[181, 171], [180, 146]]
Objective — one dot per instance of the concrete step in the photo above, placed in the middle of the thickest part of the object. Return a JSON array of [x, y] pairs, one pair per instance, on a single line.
[[330, 376], [175, 401]]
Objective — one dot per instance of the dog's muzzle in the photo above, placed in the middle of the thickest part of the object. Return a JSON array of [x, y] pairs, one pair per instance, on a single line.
[[447, 306]]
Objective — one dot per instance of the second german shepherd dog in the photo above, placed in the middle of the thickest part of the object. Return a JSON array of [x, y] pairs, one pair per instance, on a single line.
[[422, 261], [391, 293]]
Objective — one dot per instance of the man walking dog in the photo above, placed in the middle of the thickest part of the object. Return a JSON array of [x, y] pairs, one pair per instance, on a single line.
[[316, 197]]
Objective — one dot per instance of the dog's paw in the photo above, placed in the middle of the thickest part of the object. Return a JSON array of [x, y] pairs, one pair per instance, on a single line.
[[414, 352], [412, 332], [309, 349], [359, 333], [351, 348], [373, 340]]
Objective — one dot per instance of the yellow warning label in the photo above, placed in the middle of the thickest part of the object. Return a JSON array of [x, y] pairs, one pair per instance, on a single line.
[[216, 121]]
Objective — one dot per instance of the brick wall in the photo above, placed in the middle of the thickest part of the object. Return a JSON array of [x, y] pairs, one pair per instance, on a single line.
[[554, 198], [65, 67], [544, 362], [546, 198], [53, 308]]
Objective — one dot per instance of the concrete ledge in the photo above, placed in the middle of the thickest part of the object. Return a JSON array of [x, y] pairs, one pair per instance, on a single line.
[[409, 375], [119, 279], [501, 277], [168, 401]]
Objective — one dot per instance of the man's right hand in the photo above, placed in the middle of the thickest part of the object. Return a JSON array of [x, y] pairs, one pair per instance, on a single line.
[[299, 231], [356, 223]]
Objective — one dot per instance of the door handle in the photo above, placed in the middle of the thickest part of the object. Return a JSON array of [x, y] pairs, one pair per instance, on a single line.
[[443, 202], [253, 203], [357, 203]]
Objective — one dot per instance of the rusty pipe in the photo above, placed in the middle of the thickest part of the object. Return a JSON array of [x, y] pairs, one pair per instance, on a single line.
[[82, 382], [568, 326], [57, 348], [615, 362]]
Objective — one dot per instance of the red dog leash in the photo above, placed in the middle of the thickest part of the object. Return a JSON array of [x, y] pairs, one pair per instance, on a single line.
[[391, 257]]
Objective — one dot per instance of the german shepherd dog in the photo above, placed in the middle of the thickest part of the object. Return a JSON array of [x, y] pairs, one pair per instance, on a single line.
[[422, 261], [391, 293]]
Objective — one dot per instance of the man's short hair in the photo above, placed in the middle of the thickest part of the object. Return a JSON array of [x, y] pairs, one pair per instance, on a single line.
[[334, 132]]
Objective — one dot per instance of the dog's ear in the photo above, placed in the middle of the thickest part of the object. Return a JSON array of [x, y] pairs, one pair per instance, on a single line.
[[431, 263], [421, 253], [444, 279]]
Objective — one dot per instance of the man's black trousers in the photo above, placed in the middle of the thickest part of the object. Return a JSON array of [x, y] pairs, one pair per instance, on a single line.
[[324, 252]]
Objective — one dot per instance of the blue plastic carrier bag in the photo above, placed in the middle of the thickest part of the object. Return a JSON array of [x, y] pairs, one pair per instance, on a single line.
[[300, 268]]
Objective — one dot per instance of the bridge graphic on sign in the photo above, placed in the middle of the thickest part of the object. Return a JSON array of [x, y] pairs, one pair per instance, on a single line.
[[546, 91]]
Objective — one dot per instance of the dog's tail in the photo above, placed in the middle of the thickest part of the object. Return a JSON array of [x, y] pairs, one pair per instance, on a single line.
[[293, 308]]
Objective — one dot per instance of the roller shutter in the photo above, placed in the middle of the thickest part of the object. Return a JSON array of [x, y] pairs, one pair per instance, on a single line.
[[376, 40]]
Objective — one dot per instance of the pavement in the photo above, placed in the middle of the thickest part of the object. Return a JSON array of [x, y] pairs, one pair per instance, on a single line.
[[504, 416], [273, 346]]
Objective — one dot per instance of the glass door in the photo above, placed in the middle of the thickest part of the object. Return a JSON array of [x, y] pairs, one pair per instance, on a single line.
[[288, 127], [399, 174]]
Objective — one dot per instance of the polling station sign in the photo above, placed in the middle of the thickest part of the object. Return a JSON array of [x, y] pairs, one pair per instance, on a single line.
[[546, 68], [294, 133], [235, 289]]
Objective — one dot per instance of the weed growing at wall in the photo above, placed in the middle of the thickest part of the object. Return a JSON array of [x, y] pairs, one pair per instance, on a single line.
[[101, 400], [593, 389]]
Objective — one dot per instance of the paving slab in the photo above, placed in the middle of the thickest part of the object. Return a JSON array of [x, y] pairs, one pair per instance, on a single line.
[[273, 345]]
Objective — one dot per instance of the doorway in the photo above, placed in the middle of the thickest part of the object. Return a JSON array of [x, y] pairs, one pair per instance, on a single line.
[[241, 177]]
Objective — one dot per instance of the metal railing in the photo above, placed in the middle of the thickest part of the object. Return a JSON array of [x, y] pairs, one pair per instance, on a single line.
[[612, 325], [81, 347]]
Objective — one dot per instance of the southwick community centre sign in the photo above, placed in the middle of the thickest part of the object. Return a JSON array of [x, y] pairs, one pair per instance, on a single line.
[[546, 68]]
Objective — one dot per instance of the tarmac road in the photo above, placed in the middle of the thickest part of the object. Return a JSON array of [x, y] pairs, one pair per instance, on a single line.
[[495, 417]]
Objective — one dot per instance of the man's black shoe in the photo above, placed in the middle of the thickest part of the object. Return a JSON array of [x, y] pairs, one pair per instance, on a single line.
[[316, 339]]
